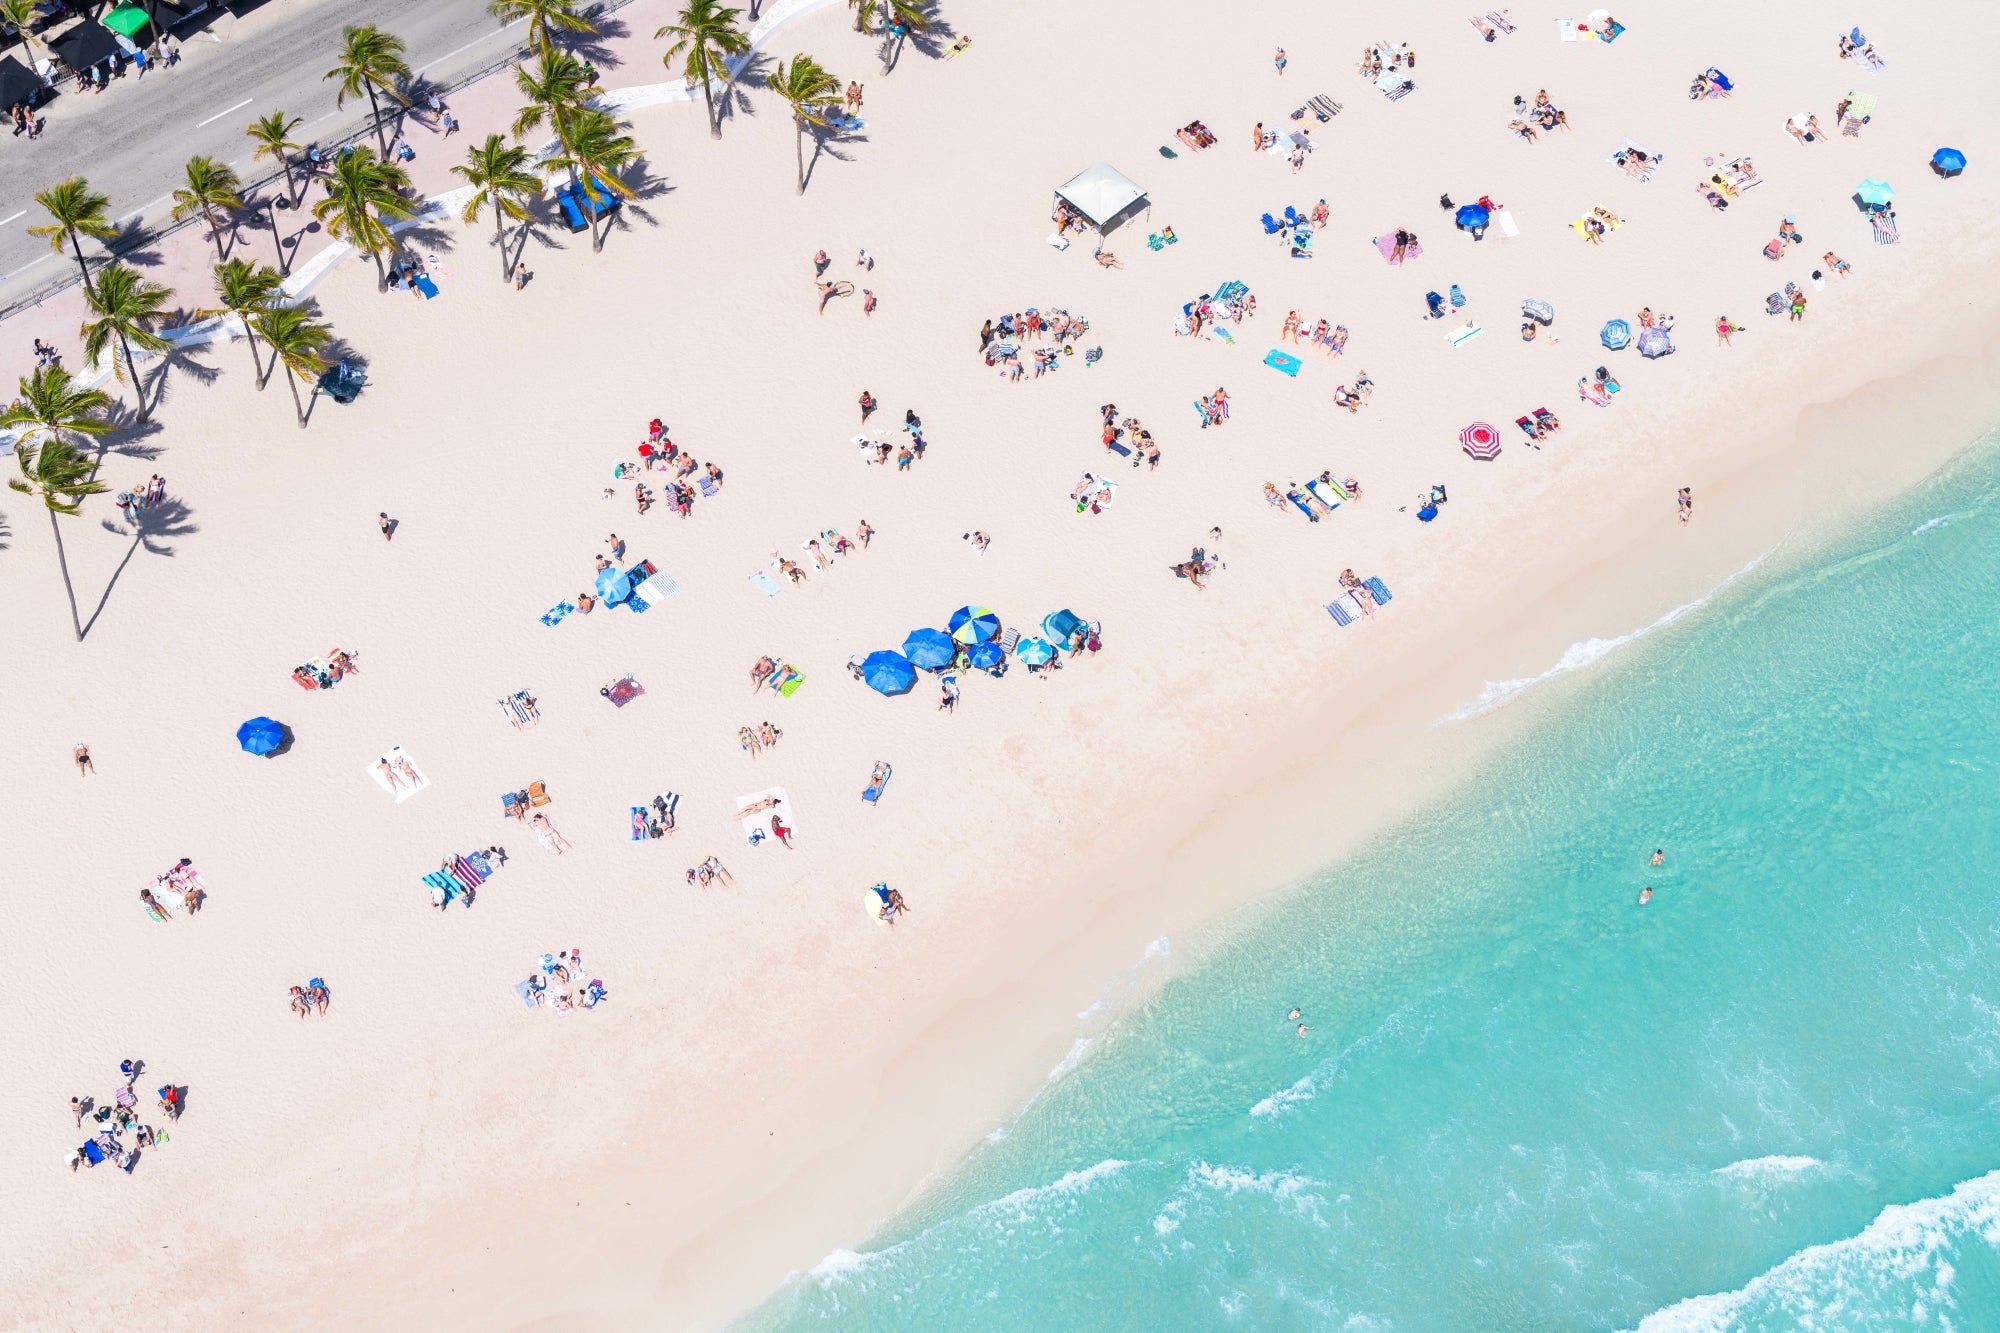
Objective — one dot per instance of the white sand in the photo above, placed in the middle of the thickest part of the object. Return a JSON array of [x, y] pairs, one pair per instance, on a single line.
[[773, 1074]]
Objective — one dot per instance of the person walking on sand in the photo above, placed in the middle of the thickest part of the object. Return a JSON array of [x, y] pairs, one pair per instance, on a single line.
[[1723, 328], [867, 405], [867, 301], [388, 526], [520, 276], [863, 533], [1686, 501], [1280, 61], [83, 764], [820, 261]]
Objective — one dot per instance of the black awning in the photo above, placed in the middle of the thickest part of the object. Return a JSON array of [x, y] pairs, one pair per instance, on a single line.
[[17, 83], [84, 45]]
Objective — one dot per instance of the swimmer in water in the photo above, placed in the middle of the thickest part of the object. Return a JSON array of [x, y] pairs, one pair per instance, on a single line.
[[1659, 857], [1645, 895], [1294, 1015], [1303, 1029]]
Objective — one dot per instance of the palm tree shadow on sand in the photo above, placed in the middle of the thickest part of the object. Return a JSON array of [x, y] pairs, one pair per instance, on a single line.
[[157, 528]]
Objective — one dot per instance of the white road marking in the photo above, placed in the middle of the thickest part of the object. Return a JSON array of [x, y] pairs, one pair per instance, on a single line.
[[469, 45], [30, 264], [4, 221], [225, 111]]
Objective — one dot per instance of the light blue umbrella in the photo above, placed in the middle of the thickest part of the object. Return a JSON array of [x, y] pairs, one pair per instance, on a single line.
[[1034, 651], [928, 648], [985, 656], [1875, 194], [888, 672], [260, 735], [1616, 334], [973, 624]]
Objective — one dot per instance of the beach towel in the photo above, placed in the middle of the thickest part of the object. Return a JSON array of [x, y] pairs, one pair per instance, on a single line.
[[708, 484], [1324, 107], [639, 823], [1298, 503], [757, 824], [1282, 361], [874, 790], [792, 683], [1885, 229], [483, 865], [554, 615], [1379, 589], [624, 691], [1503, 218], [1343, 610], [1566, 29], [1386, 244], [471, 874], [401, 787], [1463, 334], [443, 886], [1499, 22], [526, 990], [764, 583], [665, 804], [1318, 494], [422, 282]]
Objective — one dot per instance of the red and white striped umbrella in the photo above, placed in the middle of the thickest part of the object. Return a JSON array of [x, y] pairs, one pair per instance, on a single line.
[[1480, 440]]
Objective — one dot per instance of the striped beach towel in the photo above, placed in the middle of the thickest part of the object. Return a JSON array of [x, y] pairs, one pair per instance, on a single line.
[[444, 884], [467, 873], [1342, 610]]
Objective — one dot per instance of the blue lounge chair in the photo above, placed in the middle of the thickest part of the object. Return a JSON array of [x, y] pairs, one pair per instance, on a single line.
[[874, 792], [1271, 225]]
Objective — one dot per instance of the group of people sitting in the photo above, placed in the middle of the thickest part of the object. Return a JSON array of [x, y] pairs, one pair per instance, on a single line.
[[1853, 46], [1214, 408], [311, 998], [1352, 399], [1543, 113], [1376, 59], [766, 673], [1711, 82], [559, 983], [110, 1121], [1141, 448], [1329, 339], [1540, 424], [710, 871], [324, 675], [999, 342], [755, 740], [183, 881], [1200, 564]]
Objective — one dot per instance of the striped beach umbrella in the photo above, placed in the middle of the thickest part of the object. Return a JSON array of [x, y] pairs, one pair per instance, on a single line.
[[1480, 440], [973, 624]]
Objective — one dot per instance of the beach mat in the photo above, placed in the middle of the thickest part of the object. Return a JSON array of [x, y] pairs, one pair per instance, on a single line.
[[554, 615], [764, 583], [400, 791], [757, 826], [1283, 362]]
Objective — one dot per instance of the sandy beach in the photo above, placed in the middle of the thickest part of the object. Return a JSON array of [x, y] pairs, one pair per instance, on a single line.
[[773, 1073]]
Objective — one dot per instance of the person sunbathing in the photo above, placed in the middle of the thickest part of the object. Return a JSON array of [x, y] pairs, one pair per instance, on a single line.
[[768, 734], [761, 672], [1105, 259], [403, 767], [791, 571], [1836, 263], [388, 773], [1347, 398], [1289, 331], [747, 738], [757, 807]]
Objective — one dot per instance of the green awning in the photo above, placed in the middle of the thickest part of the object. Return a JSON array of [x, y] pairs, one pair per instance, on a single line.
[[127, 20]]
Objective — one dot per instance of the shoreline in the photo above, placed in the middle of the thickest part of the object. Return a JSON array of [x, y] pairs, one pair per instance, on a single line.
[[772, 1082]]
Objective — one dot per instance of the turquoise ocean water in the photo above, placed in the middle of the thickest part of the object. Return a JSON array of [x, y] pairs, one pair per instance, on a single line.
[[1770, 1099]]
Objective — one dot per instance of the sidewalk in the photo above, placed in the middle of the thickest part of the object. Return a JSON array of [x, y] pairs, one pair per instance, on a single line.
[[185, 260]]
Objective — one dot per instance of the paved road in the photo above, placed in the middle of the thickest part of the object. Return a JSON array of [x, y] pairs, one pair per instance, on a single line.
[[133, 139]]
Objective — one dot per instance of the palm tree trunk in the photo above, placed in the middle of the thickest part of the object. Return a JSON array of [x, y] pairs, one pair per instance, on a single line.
[[138, 387], [256, 362], [214, 232], [76, 244], [377, 108], [800, 144], [381, 271], [500, 241], [284, 264], [292, 378], [291, 194], [62, 558], [153, 22], [714, 125]]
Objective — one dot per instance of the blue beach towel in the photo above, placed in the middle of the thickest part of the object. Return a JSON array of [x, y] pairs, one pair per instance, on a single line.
[[422, 282], [1338, 610], [445, 884], [526, 990], [554, 615], [765, 583], [1282, 361], [1380, 589], [1320, 495]]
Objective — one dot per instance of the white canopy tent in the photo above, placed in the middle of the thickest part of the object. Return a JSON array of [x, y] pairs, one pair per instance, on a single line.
[[1104, 196]]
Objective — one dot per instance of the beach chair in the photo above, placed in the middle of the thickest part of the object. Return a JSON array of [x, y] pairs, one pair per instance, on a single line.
[[537, 794], [1292, 219], [1008, 640], [513, 806], [1271, 225], [875, 786]]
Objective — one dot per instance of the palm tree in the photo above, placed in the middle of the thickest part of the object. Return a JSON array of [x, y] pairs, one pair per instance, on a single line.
[[544, 17], [706, 33], [905, 17], [362, 192], [804, 84], [77, 211], [245, 289], [598, 151], [371, 61], [555, 90], [296, 340], [498, 174], [19, 14], [210, 185], [273, 136], [55, 471], [127, 306], [862, 10]]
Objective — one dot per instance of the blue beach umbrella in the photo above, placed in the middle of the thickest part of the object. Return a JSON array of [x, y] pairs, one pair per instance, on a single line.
[[928, 648], [973, 624], [1947, 161], [1655, 343], [1473, 217], [888, 672], [1875, 194], [1616, 334], [1034, 651], [260, 735], [985, 656]]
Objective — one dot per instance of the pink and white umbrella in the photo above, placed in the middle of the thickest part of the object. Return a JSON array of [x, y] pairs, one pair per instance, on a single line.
[[1480, 440]]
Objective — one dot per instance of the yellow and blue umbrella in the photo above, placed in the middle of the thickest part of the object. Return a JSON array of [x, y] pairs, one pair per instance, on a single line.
[[973, 624], [929, 648], [888, 672]]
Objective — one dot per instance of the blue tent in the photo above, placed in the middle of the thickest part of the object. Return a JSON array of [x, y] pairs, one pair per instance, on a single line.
[[973, 624], [1473, 217], [985, 656], [888, 673], [1034, 651], [1616, 334], [929, 648], [260, 735], [1947, 161], [1057, 626]]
